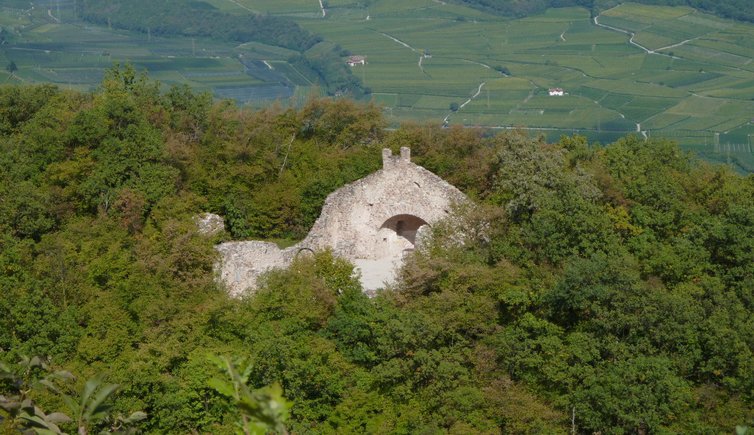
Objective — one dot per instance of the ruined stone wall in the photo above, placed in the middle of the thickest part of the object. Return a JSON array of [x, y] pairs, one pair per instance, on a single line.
[[242, 262], [372, 222]]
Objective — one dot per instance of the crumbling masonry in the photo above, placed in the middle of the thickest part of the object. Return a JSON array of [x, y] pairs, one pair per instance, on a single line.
[[373, 222]]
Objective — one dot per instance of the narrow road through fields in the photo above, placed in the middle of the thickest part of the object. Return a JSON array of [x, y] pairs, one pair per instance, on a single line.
[[478, 63], [647, 50], [531, 92], [322, 6], [241, 6], [627, 32], [399, 42], [49, 12], [421, 55], [678, 44], [478, 91]]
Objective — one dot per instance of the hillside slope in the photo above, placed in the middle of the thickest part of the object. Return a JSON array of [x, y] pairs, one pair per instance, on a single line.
[[610, 288]]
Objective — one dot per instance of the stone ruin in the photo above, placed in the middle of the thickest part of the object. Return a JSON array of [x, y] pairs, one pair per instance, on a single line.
[[373, 222]]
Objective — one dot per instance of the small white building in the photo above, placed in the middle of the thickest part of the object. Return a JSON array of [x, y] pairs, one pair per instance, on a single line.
[[356, 60], [556, 92]]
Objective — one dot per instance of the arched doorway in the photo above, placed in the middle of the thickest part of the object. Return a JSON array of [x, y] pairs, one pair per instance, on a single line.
[[398, 235], [395, 237], [405, 226]]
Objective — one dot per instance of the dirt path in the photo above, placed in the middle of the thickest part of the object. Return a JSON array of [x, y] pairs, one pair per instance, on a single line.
[[627, 32], [399, 42], [478, 91], [479, 63], [648, 51], [49, 13], [531, 92], [322, 6], [678, 44], [421, 55], [241, 6]]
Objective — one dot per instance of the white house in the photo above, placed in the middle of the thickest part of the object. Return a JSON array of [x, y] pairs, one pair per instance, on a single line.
[[356, 60], [556, 92]]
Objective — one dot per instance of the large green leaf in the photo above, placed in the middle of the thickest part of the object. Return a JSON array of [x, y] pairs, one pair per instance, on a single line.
[[135, 417], [222, 387], [58, 417], [97, 408]]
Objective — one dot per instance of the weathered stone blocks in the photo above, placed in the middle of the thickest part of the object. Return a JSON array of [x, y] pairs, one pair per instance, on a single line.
[[372, 222]]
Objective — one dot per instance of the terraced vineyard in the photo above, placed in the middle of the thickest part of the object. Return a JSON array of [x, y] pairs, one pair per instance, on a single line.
[[52, 45], [654, 71]]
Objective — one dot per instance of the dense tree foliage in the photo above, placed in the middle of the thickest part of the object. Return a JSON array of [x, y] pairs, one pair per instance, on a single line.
[[608, 285], [522, 8], [736, 9], [326, 66]]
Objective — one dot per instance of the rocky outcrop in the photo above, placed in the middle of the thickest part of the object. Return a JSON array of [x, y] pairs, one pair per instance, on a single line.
[[372, 222]]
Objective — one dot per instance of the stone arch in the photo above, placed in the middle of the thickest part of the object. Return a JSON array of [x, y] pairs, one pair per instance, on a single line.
[[397, 235], [405, 226]]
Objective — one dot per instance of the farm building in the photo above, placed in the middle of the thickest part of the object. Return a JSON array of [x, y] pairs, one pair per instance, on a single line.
[[356, 60], [556, 92]]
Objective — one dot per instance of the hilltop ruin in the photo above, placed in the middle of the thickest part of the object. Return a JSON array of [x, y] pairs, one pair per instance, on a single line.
[[373, 222]]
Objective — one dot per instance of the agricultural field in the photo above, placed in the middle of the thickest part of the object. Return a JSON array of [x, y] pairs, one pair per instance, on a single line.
[[653, 71], [51, 45]]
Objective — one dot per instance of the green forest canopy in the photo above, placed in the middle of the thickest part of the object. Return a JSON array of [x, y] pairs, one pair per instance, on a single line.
[[614, 284]]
